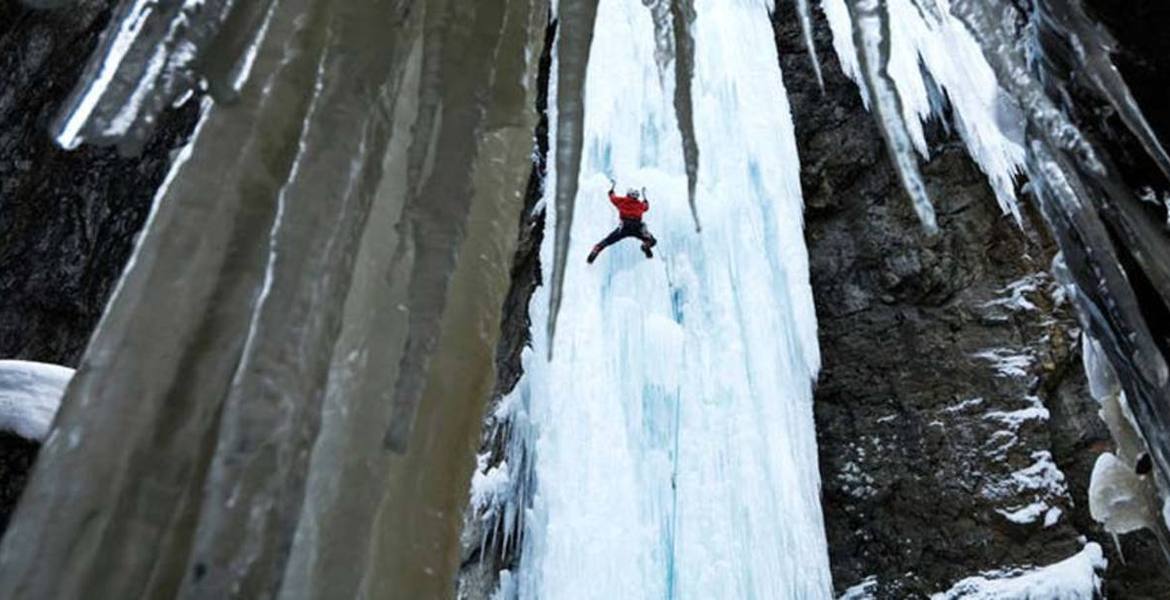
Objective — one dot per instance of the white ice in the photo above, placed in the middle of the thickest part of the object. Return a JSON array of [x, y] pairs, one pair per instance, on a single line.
[[673, 434], [30, 393], [1118, 498]]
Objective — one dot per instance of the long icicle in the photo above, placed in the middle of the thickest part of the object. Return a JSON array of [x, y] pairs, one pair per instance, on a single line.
[[802, 9], [871, 29], [575, 36], [1094, 46], [682, 13]]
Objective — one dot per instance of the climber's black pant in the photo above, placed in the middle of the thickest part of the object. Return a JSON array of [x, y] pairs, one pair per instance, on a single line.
[[629, 228]]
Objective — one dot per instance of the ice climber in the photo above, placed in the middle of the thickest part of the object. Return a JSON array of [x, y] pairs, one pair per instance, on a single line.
[[630, 208]]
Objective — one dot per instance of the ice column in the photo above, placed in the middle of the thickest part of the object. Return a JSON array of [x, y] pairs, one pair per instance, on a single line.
[[673, 432]]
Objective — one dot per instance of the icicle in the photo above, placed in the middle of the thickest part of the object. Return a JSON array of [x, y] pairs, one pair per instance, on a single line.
[[933, 54], [682, 17], [150, 55], [871, 35], [802, 8], [575, 36], [1093, 48], [1117, 546]]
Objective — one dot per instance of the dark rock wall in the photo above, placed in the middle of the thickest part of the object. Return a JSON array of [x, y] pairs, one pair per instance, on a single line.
[[941, 357], [67, 218]]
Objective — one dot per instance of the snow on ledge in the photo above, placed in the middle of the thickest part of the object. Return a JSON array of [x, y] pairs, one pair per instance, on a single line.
[[861, 591], [30, 393], [1007, 362], [1074, 578]]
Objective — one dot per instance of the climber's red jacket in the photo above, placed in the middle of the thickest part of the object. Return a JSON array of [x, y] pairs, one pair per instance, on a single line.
[[629, 208]]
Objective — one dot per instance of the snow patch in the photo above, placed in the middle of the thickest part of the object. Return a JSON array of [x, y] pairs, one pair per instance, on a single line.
[[1007, 437], [1007, 362], [964, 405], [1052, 517], [1042, 481], [861, 591], [1015, 418], [1014, 296], [30, 393], [856, 482], [1074, 578]]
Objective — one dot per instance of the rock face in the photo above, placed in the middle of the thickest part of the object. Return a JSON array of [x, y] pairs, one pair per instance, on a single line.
[[955, 432], [67, 219]]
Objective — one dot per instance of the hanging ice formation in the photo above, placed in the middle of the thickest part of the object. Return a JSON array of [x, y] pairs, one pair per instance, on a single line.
[[266, 409], [1004, 70]]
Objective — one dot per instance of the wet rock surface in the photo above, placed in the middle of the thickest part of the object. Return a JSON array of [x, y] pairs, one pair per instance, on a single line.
[[956, 435]]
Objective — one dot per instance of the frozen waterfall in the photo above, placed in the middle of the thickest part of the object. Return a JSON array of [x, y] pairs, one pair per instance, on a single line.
[[673, 431]]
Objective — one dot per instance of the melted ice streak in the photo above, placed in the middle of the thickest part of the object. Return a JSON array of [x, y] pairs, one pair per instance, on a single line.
[[673, 435], [929, 47]]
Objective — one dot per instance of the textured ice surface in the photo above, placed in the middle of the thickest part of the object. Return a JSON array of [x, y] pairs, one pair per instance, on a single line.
[[673, 443], [30, 393]]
